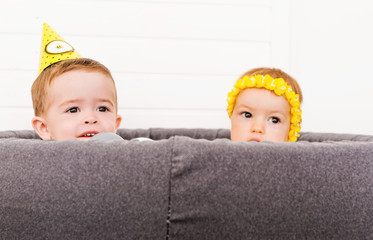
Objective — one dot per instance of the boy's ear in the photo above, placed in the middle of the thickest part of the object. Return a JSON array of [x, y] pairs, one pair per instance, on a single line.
[[40, 126], [118, 121]]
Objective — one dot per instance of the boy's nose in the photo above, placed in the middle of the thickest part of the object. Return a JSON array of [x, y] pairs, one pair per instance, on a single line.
[[90, 119]]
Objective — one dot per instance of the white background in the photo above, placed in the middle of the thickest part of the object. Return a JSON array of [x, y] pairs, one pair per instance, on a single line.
[[175, 61]]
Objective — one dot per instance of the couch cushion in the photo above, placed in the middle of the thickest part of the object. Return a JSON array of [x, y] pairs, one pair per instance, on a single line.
[[83, 190], [228, 190]]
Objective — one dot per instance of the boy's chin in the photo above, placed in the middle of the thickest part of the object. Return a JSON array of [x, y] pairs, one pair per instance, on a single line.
[[83, 138]]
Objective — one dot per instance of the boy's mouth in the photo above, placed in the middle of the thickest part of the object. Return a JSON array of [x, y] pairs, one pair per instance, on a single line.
[[88, 134]]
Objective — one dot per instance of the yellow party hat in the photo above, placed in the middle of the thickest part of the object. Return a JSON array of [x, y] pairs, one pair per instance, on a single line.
[[54, 49]]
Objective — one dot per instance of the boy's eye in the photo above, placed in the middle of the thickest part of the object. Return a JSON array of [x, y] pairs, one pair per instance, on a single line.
[[103, 109], [73, 110], [274, 120], [246, 114]]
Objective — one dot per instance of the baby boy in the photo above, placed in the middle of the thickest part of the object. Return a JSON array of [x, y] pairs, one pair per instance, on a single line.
[[73, 97]]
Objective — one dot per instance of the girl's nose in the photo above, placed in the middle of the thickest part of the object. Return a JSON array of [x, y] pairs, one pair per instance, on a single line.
[[257, 127]]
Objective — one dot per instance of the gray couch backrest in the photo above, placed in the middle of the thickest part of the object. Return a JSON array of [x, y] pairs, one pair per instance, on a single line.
[[187, 184]]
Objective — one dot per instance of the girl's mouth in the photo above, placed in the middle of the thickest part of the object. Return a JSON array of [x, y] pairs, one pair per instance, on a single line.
[[255, 139]]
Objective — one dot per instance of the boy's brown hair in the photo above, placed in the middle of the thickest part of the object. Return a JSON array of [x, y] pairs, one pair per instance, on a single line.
[[277, 73], [39, 90]]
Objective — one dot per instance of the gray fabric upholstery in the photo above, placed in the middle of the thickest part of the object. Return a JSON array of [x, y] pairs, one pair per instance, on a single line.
[[225, 190], [188, 184], [198, 133], [76, 190]]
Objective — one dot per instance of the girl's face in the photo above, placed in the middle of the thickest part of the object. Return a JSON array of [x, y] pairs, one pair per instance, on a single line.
[[260, 115]]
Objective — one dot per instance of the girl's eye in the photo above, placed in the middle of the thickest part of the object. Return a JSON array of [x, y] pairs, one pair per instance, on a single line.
[[73, 110], [274, 120], [103, 109], [246, 114]]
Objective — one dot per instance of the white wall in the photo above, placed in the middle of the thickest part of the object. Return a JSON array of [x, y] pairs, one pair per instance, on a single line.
[[332, 55], [175, 61]]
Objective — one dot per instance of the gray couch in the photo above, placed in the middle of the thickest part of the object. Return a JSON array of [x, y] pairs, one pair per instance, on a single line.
[[187, 184]]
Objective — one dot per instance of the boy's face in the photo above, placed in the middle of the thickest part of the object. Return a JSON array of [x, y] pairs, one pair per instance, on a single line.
[[260, 115], [80, 105]]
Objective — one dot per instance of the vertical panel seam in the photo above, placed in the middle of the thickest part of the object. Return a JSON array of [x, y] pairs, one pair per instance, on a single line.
[[168, 222]]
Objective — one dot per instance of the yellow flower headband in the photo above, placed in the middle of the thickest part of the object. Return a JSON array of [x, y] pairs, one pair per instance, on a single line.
[[280, 87]]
